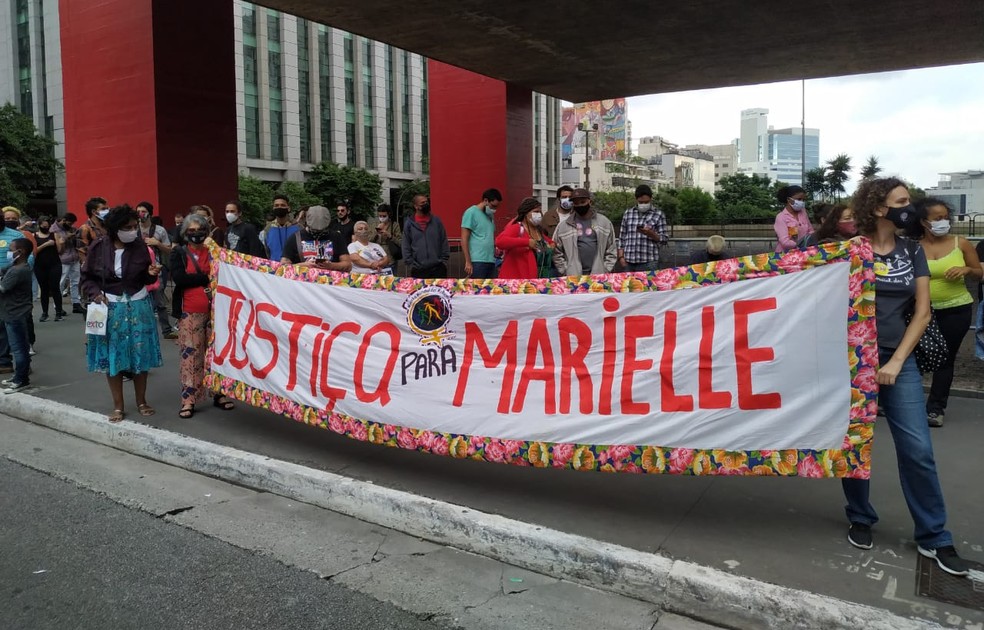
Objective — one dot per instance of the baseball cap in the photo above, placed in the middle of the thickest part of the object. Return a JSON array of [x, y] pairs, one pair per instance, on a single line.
[[580, 193]]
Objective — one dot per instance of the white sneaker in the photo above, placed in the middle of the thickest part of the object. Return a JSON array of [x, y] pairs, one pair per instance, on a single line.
[[31, 351]]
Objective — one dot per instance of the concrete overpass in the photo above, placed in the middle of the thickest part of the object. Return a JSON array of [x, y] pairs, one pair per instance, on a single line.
[[149, 85]]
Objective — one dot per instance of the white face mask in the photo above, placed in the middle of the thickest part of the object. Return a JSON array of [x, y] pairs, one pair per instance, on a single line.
[[232, 217], [645, 207], [382, 219], [127, 236], [536, 218], [940, 228], [566, 205], [102, 214], [798, 204]]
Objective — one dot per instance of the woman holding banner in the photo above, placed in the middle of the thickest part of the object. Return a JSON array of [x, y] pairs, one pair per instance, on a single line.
[[191, 306], [528, 251], [881, 207], [116, 273]]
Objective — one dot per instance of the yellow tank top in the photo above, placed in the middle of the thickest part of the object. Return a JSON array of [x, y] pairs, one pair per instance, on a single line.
[[945, 293]]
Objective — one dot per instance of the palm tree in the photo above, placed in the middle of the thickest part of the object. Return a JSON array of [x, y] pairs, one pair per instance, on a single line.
[[816, 184], [871, 169], [837, 173]]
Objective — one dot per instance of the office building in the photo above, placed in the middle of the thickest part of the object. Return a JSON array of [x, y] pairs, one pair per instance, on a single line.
[[306, 93], [964, 191], [779, 154], [725, 158]]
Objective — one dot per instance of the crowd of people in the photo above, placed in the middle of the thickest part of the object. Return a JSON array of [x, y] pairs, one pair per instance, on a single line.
[[124, 259]]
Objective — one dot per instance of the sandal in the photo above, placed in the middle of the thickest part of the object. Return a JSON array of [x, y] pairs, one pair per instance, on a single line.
[[145, 410], [116, 416], [224, 405], [186, 412]]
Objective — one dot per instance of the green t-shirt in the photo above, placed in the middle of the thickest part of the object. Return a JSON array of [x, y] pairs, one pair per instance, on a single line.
[[481, 245]]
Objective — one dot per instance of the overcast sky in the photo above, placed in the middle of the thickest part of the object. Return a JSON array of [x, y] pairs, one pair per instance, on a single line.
[[917, 122]]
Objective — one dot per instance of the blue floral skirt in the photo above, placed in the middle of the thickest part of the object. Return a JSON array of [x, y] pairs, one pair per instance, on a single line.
[[130, 344]]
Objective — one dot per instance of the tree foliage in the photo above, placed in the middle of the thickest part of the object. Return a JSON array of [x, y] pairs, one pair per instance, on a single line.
[[743, 199], [837, 174], [871, 169], [696, 207], [613, 204], [816, 186], [334, 183], [256, 197], [27, 162], [406, 192], [297, 195]]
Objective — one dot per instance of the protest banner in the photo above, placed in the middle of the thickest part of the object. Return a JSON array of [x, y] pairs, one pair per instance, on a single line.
[[763, 365]]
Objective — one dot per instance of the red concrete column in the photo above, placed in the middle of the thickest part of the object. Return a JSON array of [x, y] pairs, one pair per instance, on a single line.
[[150, 102], [481, 136]]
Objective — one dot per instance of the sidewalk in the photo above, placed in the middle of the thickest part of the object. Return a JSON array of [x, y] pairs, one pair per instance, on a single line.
[[789, 532]]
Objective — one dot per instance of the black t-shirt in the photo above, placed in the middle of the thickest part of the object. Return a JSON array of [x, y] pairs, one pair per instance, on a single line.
[[329, 248], [342, 232], [895, 289]]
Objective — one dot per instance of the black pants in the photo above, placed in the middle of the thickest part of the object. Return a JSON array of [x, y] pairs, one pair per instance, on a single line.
[[954, 324], [49, 277], [440, 270]]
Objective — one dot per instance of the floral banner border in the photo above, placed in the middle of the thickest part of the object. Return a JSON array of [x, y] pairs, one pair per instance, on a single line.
[[853, 459]]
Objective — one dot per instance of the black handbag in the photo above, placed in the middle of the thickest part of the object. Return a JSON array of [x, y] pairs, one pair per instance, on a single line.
[[931, 351]]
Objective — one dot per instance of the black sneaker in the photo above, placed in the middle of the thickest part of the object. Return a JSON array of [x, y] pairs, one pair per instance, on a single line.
[[43, 318], [935, 419], [77, 308], [16, 387], [859, 535], [948, 559]]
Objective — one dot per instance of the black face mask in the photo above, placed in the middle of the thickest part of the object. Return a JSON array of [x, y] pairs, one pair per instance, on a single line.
[[582, 210], [13, 225], [196, 238], [280, 213], [426, 208], [903, 217]]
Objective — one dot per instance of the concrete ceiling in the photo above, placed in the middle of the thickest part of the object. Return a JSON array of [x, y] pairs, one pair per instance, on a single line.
[[588, 50]]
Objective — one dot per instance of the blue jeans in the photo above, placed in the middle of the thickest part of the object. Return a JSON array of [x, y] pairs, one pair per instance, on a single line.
[[649, 266], [905, 410], [483, 270], [19, 347]]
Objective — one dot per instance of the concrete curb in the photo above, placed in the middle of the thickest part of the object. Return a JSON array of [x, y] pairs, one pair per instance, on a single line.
[[675, 586]]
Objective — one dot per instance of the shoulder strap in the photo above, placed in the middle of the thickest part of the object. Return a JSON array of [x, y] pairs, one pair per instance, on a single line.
[[194, 261]]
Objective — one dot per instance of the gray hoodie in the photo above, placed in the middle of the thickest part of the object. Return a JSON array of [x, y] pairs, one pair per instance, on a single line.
[[425, 248]]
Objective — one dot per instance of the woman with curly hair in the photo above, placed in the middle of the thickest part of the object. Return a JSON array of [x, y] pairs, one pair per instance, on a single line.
[[116, 273], [881, 207]]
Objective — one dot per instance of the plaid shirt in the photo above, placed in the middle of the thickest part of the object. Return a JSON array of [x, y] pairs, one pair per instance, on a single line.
[[638, 247]]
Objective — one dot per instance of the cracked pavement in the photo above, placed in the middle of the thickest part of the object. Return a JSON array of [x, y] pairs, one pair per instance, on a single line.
[[148, 545]]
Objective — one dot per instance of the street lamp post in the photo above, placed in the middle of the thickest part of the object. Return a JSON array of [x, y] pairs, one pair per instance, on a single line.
[[587, 129]]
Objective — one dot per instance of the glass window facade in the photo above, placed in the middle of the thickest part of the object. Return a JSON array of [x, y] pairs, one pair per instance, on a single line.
[[251, 89], [405, 92], [367, 98], [424, 115], [304, 88], [324, 100], [275, 73], [390, 111], [348, 46], [24, 57]]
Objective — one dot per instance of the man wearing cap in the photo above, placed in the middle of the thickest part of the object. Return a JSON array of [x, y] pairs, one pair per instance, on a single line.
[[317, 245], [584, 243], [643, 231], [714, 250]]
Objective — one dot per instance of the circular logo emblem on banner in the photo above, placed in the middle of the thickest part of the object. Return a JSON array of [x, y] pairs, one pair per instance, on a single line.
[[428, 314]]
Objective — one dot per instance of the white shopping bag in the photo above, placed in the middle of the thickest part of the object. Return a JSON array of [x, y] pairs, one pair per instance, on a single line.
[[96, 317]]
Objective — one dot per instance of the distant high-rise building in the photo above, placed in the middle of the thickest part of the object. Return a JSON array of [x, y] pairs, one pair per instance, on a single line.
[[776, 153]]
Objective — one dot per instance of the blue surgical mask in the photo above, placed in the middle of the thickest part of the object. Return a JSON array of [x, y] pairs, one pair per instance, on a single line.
[[11, 256], [798, 205], [940, 228]]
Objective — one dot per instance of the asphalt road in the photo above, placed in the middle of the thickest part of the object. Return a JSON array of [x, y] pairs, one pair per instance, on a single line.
[[73, 559], [786, 531]]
